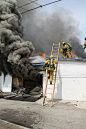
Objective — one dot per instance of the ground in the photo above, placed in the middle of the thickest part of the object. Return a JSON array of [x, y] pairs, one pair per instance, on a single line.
[[63, 114]]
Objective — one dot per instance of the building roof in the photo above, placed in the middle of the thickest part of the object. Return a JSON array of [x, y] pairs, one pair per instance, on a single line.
[[61, 59]]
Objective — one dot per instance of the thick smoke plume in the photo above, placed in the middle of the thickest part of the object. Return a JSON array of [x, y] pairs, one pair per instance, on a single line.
[[45, 28], [14, 51]]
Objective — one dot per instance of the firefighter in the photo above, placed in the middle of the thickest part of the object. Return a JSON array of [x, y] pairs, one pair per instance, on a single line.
[[50, 66], [63, 50], [66, 49], [85, 43]]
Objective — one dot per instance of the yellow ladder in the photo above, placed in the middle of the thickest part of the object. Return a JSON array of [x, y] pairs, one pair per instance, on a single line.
[[55, 53]]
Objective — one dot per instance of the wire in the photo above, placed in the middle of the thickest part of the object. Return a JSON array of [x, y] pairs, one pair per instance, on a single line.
[[24, 8], [29, 3], [34, 8], [40, 6], [35, 2], [26, 4]]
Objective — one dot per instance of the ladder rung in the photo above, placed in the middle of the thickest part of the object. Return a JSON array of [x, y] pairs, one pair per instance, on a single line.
[[48, 103], [54, 50], [48, 93], [49, 88], [56, 47], [56, 44], [55, 53], [48, 98]]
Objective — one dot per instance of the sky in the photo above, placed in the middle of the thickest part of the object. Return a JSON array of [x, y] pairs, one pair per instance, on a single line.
[[71, 14], [76, 8]]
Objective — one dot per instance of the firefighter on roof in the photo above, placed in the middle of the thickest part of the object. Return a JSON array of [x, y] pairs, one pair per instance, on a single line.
[[50, 66], [66, 49], [85, 43]]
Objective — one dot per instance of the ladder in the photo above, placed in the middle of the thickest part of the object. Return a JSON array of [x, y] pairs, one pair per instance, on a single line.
[[55, 53]]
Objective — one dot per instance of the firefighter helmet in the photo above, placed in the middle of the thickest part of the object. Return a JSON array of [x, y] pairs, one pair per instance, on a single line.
[[85, 38], [63, 43], [51, 56]]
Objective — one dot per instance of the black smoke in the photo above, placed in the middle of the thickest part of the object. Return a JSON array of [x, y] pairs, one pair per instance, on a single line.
[[14, 51], [44, 29]]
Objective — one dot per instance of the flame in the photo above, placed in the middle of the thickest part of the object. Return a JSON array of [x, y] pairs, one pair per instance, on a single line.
[[44, 55], [29, 57], [73, 56]]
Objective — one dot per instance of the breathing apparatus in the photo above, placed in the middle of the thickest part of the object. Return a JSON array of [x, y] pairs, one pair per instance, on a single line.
[[51, 62]]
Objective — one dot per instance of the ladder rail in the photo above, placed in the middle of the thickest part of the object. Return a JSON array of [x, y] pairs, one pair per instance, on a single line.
[[52, 49], [58, 52], [55, 75], [45, 91]]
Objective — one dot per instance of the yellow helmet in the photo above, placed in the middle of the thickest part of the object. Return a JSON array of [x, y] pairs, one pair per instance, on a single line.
[[63, 43], [51, 56]]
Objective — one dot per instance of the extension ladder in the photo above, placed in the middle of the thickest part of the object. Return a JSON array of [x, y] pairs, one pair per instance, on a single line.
[[55, 53]]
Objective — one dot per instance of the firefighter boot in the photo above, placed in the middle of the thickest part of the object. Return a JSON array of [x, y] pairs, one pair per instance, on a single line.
[[50, 82]]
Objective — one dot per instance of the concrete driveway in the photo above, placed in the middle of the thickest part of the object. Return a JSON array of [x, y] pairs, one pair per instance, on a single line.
[[63, 114]]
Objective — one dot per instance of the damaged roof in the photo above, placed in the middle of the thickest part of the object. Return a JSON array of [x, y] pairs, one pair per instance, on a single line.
[[60, 59]]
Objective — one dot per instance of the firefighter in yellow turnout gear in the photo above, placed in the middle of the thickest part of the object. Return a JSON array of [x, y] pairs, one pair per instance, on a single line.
[[66, 49], [85, 43], [50, 66]]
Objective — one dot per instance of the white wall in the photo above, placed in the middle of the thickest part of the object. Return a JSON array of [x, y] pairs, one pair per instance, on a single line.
[[5, 84], [70, 81]]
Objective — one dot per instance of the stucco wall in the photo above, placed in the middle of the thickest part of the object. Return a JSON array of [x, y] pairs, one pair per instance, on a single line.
[[5, 83], [70, 81]]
